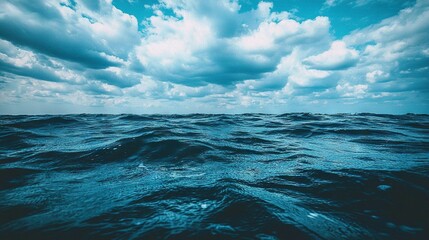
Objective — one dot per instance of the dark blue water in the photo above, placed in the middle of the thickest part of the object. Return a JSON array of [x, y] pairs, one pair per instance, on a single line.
[[251, 176]]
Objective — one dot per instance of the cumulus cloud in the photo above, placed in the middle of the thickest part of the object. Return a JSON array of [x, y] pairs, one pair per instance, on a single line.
[[393, 56], [196, 47], [376, 75], [354, 91], [213, 55], [86, 43], [75, 34], [338, 57], [26, 63]]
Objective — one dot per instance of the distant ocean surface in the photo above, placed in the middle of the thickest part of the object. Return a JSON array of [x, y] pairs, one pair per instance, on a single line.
[[249, 176]]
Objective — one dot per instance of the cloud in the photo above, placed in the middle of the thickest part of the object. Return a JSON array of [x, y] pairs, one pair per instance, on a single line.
[[376, 75], [354, 3], [330, 3], [213, 55], [195, 47], [114, 76], [74, 34], [338, 57], [354, 91], [393, 56], [28, 64]]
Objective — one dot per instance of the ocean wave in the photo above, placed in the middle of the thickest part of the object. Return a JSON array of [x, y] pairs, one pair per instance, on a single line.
[[197, 176]]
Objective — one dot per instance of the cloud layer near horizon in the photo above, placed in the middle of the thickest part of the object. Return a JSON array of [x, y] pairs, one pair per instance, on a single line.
[[207, 56]]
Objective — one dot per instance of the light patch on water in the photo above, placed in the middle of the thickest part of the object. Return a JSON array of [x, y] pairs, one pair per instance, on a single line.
[[384, 187]]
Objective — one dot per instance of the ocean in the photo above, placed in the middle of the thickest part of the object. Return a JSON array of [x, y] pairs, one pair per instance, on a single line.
[[199, 176]]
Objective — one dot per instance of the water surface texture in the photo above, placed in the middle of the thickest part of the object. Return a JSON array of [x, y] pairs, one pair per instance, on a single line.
[[250, 176]]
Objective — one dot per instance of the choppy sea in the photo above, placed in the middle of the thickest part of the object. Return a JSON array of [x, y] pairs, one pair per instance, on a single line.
[[248, 176]]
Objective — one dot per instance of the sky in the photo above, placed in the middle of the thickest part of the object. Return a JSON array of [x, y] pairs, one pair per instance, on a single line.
[[214, 56]]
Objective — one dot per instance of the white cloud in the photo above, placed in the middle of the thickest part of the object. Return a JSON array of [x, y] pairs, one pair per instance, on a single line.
[[393, 52], [196, 47], [75, 43], [354, 91], [376, 75], [330, 3], [92, 54], [354, 3], [77, 34], [338, 57]]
